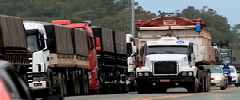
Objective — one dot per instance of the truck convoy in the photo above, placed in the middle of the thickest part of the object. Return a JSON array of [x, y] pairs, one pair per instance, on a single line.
[[171, 52], [108, 71]]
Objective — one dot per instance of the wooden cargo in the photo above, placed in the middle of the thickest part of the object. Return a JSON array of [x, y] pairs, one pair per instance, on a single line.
[[81, 42], [120, 43], [12, 32], [106, 38], [62, 36], [202, 39]]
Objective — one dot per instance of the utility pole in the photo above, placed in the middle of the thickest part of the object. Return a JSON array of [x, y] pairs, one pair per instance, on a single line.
[[133, 19]]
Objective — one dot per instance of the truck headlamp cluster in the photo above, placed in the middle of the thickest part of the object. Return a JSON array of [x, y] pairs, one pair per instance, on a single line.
[[187, 73], [143, 74]]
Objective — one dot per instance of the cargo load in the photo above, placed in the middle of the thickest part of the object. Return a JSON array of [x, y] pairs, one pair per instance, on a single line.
[[106, 38], [183, 29], [12, 32], [81, 42], [120, 44], [62, 37]]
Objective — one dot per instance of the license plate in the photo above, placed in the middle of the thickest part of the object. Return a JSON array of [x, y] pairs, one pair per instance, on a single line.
[[165, 80], [37, 84]]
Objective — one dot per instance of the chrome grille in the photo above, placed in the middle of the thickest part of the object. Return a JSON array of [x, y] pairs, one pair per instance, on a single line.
[[165, 67], [29, 71]]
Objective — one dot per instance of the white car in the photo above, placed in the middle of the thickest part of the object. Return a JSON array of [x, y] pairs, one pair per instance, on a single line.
[[235, 75], [217, 77]]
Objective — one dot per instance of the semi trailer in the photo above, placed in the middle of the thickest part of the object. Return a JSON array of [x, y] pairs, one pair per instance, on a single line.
[[92, 54], [13, 44], [60, 64], [109, 55], [112, 60], [172, 52]]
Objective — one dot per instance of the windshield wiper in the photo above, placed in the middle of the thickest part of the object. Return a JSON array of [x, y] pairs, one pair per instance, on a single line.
[[169, 51]]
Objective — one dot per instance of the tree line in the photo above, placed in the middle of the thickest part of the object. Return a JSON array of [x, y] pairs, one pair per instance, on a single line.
[[111, 14]]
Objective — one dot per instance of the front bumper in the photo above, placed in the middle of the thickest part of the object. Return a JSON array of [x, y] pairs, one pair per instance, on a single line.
[[217, 83], [38, 85], [172, 79]]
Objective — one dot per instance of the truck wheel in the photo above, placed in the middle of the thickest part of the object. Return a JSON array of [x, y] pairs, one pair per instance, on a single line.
[[64, 85], [103, 85], [202, 85], [78, 83], [142, 88], [59, 84], [74, 84], [163, 90], [194, 87], [207, 83], [86, 85], [237, 84]]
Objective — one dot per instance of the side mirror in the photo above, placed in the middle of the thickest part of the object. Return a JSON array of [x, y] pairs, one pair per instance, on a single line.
[[238, 71], [98, 46], [131, 64], [50, 44], [54, 97]]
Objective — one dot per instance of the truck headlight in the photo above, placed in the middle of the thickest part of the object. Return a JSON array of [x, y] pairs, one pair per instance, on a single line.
[[146, 74], [140, 74], [190, 73], [184, 73]]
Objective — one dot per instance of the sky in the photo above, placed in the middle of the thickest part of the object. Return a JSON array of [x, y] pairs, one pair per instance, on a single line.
[[226, 8]]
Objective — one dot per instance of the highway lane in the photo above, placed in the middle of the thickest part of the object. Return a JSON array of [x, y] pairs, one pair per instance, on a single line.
[[178, 93]]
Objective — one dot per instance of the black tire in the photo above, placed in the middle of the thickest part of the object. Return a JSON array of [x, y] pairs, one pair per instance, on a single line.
[[74, 84], [237, 84], [64, 85], [223, 88], [60, 89], [207, 83], [143, 88], [163, 90], [86, 85], [193, 88], [78, 85], [103, 85]]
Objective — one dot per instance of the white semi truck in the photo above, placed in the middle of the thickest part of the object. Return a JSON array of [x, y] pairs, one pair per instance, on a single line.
[[131, 66], [57, 66], [171, 52], [38, 55]]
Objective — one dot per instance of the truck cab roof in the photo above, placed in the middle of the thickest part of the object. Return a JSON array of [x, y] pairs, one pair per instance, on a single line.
[[168, 41]]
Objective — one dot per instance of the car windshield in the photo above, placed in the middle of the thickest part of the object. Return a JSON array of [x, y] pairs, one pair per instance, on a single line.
[[214, 68], [167, 50], [232, 69]]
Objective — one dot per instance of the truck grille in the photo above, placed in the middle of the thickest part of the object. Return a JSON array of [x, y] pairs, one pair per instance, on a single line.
[[165, 67], [29, 71]]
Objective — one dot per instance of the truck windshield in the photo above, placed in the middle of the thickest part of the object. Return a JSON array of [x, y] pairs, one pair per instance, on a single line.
[[32, 43], [167, 50]]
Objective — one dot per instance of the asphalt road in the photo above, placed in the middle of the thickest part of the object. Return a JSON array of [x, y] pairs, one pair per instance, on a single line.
[[232, 93]]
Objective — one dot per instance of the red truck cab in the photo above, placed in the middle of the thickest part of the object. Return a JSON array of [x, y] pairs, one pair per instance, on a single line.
[[92, 73]]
